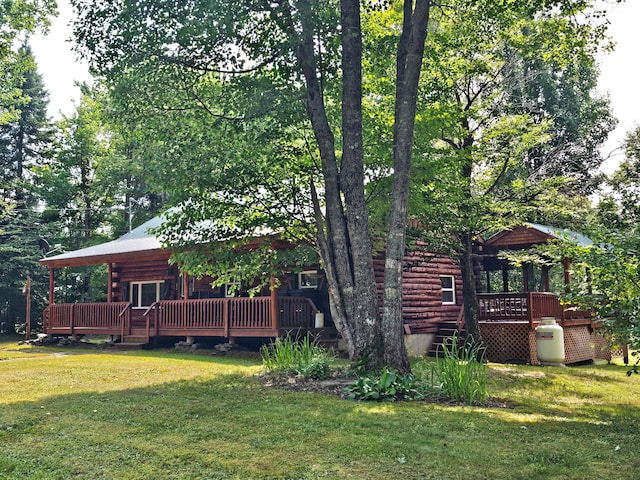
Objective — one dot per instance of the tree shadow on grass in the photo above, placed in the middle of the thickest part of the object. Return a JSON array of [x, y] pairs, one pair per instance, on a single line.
[[231, 426]]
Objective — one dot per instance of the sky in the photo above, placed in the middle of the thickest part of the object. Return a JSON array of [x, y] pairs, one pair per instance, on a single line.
[[619, 70]]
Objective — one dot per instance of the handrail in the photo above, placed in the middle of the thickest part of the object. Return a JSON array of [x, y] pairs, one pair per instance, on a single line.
[[155, 306], [219, 316], [525, 306], [460, 320], [124, 310], [314, 309], [151, 307], [124, 324]]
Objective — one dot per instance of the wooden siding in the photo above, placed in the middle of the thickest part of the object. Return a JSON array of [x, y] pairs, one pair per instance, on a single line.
[[422, 308], [519, 237], [143, 270]]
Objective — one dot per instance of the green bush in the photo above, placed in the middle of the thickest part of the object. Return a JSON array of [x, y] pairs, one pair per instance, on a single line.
[[296, 357], [387, 385], [461, 372]]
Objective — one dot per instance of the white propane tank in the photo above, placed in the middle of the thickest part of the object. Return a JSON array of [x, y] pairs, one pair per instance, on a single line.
[[319, 319], [549, 342]]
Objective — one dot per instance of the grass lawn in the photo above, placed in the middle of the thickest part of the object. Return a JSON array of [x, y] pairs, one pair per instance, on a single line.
[[93, 414]]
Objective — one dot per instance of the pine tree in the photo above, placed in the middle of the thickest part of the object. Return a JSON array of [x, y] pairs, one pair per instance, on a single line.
[[24, 144]]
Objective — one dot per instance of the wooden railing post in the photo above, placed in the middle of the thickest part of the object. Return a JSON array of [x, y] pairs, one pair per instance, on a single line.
[[225, 317], [125, 316], [529, 297]]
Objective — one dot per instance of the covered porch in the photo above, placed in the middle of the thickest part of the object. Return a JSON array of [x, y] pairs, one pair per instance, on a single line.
[[508, 319], [213, 317], [146, 297]]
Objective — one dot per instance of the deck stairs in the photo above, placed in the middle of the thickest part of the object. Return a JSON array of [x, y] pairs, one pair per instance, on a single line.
[[132, 342], [445, 332], [328, 338]]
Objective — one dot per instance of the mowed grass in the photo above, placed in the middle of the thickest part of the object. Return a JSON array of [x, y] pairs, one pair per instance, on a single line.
[[94, 414]]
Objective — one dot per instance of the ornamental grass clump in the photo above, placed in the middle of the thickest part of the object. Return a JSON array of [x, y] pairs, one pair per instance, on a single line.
[[291, 356], [461, 372]]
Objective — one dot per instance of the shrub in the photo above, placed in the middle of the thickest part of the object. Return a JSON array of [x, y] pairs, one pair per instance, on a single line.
[[461, 372], [296, 357], [387, 385]]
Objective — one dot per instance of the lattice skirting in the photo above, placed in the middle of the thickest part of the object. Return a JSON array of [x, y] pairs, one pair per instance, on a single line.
[[603, 350], [515, 342], [507, 342]]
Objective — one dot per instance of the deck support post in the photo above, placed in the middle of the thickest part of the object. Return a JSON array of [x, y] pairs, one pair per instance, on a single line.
[[275, 308], [109, 282], [185, 297], [185, 286], [505, 278], [52, 283]]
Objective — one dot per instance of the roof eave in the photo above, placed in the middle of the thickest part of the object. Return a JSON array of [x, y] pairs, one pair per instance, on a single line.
[[158, 253]]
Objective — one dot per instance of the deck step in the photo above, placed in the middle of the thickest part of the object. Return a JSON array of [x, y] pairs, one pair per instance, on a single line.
[[132, 342], [446, 330], [129, 346]]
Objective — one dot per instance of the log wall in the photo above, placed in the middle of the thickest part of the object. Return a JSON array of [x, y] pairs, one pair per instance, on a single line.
[[422, 291], [143, 270]]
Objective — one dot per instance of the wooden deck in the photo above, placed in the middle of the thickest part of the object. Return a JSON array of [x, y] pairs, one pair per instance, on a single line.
[[215, 317], [508, 322], [529, 307]]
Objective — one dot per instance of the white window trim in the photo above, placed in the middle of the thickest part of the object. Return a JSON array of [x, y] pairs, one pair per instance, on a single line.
[[236, 290], [452, 289], [138, 301], [308, 272]]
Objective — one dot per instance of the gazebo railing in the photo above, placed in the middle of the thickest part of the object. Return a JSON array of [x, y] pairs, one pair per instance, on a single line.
[[527, 306]]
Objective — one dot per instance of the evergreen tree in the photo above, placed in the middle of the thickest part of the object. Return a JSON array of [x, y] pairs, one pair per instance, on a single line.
[[24, 145]]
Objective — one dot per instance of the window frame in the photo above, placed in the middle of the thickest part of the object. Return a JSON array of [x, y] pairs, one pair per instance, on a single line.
[[235, 287], [309, 273], [451, 290], [136, 302]]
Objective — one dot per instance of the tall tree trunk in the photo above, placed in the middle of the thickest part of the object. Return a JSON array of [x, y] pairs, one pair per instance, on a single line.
[[335, 240], [469, 292], [343, 236], [368, 336], [409, 65]]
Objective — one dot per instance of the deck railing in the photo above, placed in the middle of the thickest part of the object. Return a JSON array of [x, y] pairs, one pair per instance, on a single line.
[[527, 306], [297, 312], [214, 316], [87, 318]]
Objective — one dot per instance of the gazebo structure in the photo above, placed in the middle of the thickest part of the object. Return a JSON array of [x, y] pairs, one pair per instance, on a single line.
[[515, 300]]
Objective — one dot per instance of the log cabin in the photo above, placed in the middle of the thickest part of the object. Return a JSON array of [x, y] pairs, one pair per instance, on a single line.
[[146, 298]]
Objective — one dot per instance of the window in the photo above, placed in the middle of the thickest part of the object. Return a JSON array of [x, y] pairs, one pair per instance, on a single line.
[[448, 284], [232, 289], [308, 279], [144, 294]]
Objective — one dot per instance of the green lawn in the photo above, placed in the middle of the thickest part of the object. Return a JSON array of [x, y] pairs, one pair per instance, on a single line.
[[94, 414]]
